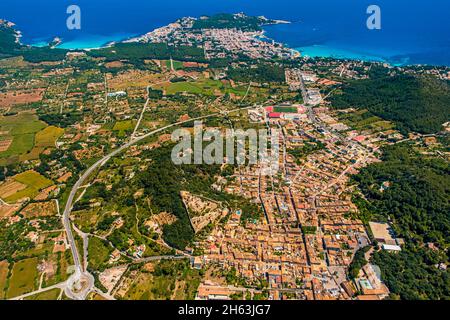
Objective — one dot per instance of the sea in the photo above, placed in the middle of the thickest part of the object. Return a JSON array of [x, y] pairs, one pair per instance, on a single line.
[[412, 31]]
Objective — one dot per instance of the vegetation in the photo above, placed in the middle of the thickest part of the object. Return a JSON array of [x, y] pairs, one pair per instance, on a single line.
[[264, 72], [417, 198], [98, 253], [412, 274], [34, 183], [23, 278], [168, 280], [228, 21], [61, 120], [417, 203], [12, 241], [138, 52], [358, 262], [9, 47], [307, 149], [22, 129], [417, 104]]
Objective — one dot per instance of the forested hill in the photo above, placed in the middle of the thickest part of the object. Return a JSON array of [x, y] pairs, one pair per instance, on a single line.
[[420, 104], [10, 48], [226, 21], [418, 205]]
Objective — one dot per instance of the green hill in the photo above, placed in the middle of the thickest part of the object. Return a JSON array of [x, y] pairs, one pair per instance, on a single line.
[[419, 104], [9, 48]]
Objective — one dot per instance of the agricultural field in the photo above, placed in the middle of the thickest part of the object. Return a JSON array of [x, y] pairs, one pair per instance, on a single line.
[[123, 126], [8, 210], [18, 134], [46, 296], [23, 278], [165, 280], [177, 65], [364, 120], [4, 269], [203, 86], [39, 209], [48, 136], [24, 185], [98, 253], [12, 98], [60, 261]]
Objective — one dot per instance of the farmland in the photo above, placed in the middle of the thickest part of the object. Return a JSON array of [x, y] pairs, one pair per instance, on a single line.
[[203, 86], [48, 136], [13, 98], [47, 295], [168, 280], [23, 278], [40, 209], [4, 268], [33, 182], [123, 126], [99, 252], [21, 129]]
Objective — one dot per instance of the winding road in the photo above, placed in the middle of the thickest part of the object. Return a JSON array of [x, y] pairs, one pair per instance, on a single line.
[[81, 283]]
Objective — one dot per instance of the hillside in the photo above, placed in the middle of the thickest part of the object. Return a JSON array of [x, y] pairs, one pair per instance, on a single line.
[[9, 47], [417, 204], [413, 103]]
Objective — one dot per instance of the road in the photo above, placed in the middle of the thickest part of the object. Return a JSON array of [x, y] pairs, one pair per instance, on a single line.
[[61, 286], [83, 276], [142, 113]]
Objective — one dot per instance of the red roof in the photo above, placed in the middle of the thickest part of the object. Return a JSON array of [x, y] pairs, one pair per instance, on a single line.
[[269, 109], [274, 115], [301, 109], [359, 138]]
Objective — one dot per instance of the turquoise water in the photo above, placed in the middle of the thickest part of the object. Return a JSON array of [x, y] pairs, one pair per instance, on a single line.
[[413, 31], [326, 51], [91, 41]]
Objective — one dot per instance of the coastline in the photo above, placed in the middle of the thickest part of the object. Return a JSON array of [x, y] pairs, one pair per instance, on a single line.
[[93, 42]]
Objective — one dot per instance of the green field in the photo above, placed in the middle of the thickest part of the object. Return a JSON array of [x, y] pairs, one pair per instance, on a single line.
[[177, 65], [4, 268], [48, 136], [47, 295], [123, 126], [21, 128], [98, 253], [204, 86], [170, 280], [23, 278], [285, 109], [34, 182]]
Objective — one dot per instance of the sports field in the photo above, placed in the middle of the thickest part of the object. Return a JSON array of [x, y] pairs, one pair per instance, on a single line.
[[285, 109]]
